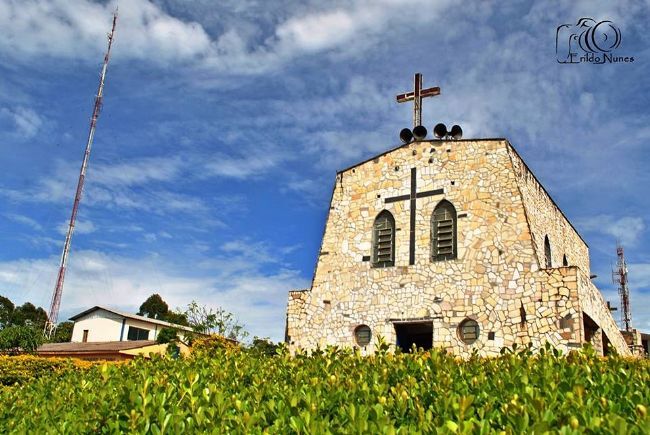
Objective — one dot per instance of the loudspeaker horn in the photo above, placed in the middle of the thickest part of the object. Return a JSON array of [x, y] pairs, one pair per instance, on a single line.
[[420, 132], [456, 132], [440, 130], [406, 135]]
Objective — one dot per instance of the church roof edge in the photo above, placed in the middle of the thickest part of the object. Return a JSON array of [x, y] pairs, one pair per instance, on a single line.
[[419, 141]]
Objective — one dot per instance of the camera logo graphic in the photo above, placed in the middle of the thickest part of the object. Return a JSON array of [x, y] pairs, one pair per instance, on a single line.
[[586, 41]]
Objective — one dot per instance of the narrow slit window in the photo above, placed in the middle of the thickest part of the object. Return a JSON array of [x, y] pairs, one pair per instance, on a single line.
[[443, 232], [383, 245], [547, 253]]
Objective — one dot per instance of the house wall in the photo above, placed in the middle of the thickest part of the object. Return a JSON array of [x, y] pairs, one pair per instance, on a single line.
[[104, 325], [101, 325]]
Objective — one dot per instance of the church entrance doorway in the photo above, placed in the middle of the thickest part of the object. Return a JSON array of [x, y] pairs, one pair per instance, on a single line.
[[419, 334]]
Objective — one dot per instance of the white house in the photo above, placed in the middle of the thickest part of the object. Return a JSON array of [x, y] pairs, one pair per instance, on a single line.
[[101, 324]]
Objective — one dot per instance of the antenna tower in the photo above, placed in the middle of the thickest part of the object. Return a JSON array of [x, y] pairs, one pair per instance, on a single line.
[[50, 325], [619, 277]]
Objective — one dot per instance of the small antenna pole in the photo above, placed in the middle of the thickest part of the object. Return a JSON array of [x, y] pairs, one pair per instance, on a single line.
[[619, 277], [50, 325]]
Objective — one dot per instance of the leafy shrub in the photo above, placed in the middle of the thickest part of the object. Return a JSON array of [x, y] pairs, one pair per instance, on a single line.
[[16, 339], [223, 389], [207, 345], [25, 368]]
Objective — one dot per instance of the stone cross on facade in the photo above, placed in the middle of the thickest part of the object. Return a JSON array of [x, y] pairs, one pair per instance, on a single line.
[[416, 96], [412, 197]]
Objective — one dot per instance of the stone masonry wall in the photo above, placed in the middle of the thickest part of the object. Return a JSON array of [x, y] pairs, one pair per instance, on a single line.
[[593, 304], [546, 219], [495, 276]]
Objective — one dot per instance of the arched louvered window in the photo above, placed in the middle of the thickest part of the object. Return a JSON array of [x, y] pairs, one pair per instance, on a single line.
[[547, 253], [383, 240], [443, 232]]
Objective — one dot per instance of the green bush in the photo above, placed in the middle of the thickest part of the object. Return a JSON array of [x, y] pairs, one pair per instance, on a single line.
[[25, 368], [223, 389], [17, 339]]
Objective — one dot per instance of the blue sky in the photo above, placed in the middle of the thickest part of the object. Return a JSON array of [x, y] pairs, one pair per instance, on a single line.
[[224, 124]]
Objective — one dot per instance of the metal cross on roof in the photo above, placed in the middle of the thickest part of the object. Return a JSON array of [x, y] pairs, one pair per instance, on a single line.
[[416, 96]]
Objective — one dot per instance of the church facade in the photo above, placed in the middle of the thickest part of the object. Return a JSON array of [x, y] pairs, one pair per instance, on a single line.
[[452, 244]]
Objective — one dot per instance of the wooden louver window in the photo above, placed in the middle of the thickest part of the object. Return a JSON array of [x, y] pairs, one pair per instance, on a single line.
[[384, 240], [468, 331], [443, 232]]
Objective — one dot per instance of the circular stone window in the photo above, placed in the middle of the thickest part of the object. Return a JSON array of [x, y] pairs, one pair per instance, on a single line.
[[468, 331], [362, 335]]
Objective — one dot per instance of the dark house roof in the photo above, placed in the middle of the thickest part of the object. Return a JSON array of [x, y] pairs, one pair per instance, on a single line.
[[95, 347], [107, 350]]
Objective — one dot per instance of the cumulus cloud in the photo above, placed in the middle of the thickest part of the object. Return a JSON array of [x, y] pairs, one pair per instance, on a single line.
[[627, 229], [75, 29], [148, 32]]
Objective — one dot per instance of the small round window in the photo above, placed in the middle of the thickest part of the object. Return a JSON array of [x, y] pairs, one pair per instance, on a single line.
[[362, 335], [468, 331]]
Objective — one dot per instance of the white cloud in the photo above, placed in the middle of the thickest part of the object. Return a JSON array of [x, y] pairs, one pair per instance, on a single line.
[[318, 31], [257, 298], [75, 29], [81, 227], [138, 171], [25, 220], [147, 32], [627, 229], [222, 165], [121, 185], [639, 275], [26, 120]]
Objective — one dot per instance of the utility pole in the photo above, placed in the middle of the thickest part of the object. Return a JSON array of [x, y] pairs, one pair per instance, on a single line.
[[50, 325]]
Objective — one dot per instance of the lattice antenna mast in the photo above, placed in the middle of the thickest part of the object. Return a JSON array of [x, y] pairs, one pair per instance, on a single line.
[[50, 325], [619, 276]]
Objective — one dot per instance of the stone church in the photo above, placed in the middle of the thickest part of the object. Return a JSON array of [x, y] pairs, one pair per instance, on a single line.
[[452, 244]]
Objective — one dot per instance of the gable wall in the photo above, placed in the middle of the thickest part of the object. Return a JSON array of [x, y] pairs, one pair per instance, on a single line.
[[497, 272], [495, 251], [101, 325]]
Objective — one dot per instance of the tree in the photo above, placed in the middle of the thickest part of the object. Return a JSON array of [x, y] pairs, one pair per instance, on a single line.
[[63, 333], [154, 307], [28, 315], [207, 321], [16, 339], [6, 311], [166, 335], [263, 346], [176, 318]]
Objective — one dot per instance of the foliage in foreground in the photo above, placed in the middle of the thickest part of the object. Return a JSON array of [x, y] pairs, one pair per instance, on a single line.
[[27, 368], [222, 389]]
